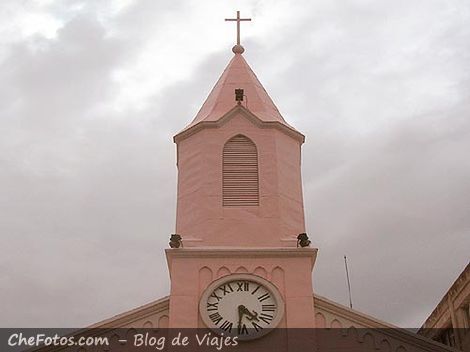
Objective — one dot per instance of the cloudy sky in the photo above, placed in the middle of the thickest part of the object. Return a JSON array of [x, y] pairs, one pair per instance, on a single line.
[[91, 93]]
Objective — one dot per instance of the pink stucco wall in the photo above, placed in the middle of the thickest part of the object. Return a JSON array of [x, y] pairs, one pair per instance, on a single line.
[[201, 218]]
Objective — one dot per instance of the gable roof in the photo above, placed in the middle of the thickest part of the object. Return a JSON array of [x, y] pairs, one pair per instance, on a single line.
[[453, 292], [127, 318], [356, 319]]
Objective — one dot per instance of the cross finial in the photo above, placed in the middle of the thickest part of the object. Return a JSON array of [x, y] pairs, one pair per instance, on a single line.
[[238, 49]]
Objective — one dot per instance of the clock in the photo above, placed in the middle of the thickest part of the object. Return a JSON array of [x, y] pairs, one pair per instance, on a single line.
[[242, 305]]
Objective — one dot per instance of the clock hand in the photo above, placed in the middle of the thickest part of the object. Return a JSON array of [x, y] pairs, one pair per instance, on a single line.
[[253, 316], [241, 311], [250, 316]]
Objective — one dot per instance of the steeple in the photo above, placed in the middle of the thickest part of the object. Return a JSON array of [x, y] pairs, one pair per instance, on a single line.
[[239, 177], [240, 210], [221, 100], [238, 75]]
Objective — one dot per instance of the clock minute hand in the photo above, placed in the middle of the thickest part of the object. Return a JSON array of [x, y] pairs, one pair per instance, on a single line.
[[241, 312]]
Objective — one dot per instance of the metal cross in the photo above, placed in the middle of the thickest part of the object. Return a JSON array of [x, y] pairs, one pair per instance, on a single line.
[[238, 19]]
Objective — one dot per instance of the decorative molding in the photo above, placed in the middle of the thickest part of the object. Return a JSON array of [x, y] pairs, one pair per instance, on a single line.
[[442, 306], [135, 314], [389, 330], [240, 252], [351, 314], [230, 252], [290, 131]]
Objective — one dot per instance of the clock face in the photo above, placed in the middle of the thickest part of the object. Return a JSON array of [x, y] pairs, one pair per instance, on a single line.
[[242, 305]]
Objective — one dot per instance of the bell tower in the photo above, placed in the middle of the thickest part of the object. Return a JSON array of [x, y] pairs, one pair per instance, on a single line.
[[239, 213]]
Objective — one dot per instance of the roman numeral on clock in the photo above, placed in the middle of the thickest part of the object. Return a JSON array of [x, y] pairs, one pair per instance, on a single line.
[[268, 307], [243, 286], [226, 289], [256, 326], [216, 318], [218, 298], [227, 326], [242, 330], [264, 297], [256, 289], [267, 318], [212, 306]]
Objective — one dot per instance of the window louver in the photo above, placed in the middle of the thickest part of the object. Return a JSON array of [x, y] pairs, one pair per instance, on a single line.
[[240, 173]]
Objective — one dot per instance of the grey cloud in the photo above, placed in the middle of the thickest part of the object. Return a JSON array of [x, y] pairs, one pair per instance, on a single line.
[[60, 78], [397, 209], [68, 178]]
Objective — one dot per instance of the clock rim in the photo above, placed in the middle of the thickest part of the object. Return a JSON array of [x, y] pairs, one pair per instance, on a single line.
[[248, 277]]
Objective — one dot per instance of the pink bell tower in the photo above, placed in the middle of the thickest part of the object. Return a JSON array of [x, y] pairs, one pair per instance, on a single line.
[[240, 206]]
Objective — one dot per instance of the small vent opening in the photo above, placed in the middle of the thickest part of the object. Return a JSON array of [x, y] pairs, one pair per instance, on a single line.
[[240, 183]]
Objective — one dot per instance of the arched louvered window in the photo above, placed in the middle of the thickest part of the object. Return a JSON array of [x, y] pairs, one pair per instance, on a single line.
[[240, 183]]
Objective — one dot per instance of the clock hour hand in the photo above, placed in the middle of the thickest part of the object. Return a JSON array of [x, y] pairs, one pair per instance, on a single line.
[[242, 310], [253, 316]]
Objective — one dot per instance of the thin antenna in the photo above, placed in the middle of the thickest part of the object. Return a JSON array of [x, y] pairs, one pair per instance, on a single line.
[[349, 283]]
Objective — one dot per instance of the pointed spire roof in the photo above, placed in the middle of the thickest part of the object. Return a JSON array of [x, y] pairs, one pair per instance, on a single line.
[[221, 99]]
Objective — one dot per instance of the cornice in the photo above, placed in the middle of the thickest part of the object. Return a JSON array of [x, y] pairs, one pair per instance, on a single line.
[[248, 114], [351, 314], [403, 335], [229, 252], [134, 314], [240, 252], [458, 285], [106, 326]]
